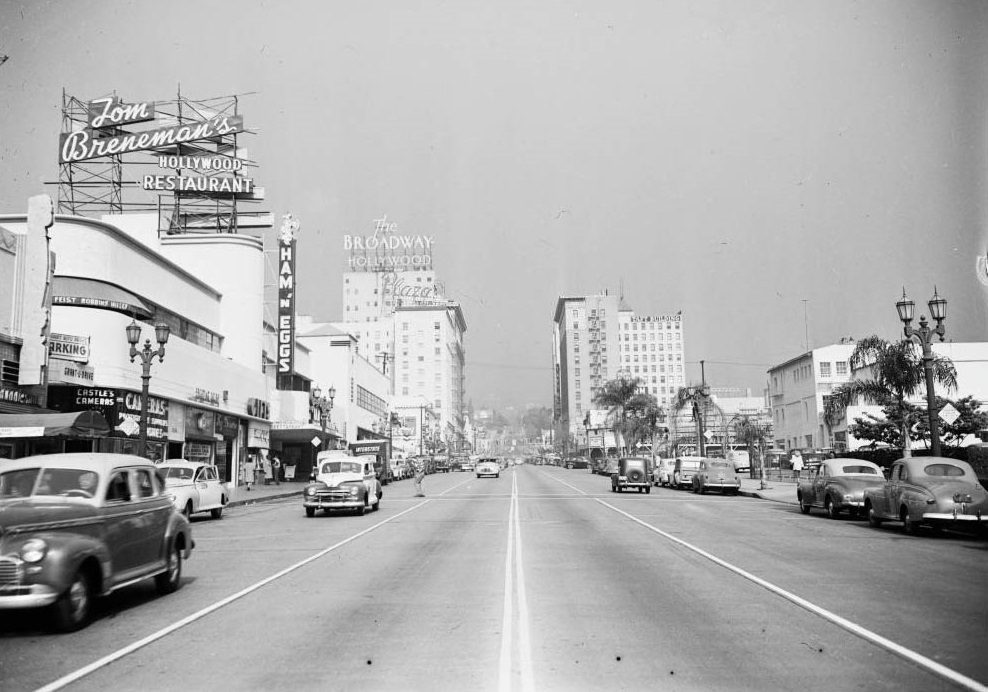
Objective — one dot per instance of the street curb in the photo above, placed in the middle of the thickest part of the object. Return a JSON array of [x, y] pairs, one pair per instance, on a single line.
[[265, 498], [758, 495]]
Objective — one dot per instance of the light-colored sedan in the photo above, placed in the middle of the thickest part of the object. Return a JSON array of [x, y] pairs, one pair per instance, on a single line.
[[837, 485], [933, 491], [662, 471], [195, 487], [488, 467], [716, 474]]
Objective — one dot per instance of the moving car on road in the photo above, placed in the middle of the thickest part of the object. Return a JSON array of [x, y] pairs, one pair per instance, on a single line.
[[682, 472], [488, 466], [933, 491], [81, 525], [195, 487], [662, 470], [343, 483], [837, 485], [631, 472], [716, 474]]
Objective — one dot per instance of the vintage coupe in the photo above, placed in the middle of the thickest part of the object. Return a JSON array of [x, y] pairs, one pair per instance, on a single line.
[[933, 491], [81, 525], [195, 487], [837, 485], [716, 474], [343, 483], [631, 473], [682, 472]]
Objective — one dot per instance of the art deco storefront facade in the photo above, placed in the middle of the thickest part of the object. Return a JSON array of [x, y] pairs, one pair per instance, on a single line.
[[208, 396]]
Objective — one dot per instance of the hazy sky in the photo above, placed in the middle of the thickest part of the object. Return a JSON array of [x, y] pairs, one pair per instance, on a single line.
[[771, 169]]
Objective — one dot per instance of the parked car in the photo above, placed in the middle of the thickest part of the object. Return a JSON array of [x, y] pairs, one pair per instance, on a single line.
[[682, 472], [468, 465], [837, 485], [399, 469], [347, 483], [195, 487], [631, 472], [933, 491], [441, 464], [662, 471], [488, 466], [608, 467], [716, 474], [77, 526]]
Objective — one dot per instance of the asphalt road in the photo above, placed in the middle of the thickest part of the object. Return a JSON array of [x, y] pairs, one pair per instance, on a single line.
[[539, 580]]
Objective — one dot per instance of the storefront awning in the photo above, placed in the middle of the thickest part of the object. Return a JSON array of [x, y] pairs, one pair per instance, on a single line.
[[90, 293], [75, 424]]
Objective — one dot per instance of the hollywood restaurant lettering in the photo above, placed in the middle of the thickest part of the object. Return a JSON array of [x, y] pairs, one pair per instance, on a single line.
[[200, 183], [82, 144]]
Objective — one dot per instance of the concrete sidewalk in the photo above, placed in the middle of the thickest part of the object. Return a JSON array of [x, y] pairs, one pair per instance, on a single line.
[[776, 490]]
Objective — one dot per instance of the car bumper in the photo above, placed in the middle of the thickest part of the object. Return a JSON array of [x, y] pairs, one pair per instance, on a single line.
[[27, 596], [334, 504], [716, 485], [950, 517]]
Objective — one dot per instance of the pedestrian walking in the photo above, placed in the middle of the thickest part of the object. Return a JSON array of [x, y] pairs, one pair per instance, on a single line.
[[250, 468], [276, 469], [419, 475], [797, 463]]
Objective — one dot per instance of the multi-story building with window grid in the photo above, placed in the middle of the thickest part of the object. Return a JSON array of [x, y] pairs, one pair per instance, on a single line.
[[598, 338]]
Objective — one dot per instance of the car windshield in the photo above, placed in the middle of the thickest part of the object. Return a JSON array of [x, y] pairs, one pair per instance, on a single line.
[[179, 472], [859, 469], [36, 481], [341, 467], [943, 470]]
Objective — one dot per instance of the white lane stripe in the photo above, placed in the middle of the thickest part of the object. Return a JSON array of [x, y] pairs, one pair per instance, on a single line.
[[504, 666], [868, 635], [524, 640], [125, 651]]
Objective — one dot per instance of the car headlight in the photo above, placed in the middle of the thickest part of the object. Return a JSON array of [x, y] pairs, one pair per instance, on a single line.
[[310, 490], [34, 550], [353, 490]]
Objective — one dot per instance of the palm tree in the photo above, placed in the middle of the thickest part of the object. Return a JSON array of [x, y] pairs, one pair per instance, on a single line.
[[752, 434], [897, 374], [699, 402], [634, 415]]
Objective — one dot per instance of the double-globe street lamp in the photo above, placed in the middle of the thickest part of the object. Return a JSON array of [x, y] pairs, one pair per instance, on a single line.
[[147, 354], [325, 407], [924, 335]]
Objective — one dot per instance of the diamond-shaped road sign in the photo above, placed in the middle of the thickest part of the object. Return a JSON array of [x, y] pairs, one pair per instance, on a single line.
[[949, 414]]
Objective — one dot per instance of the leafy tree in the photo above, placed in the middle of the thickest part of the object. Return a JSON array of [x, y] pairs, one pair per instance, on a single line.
[[897, 374], [634, 415], [748, 431], [535, 420], [970, 421]]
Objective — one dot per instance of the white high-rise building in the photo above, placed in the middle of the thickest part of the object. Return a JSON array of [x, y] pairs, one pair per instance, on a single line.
[[598, 338]]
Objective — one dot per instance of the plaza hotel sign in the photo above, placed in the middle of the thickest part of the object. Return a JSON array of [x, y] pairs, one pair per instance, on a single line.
[[95, 142]]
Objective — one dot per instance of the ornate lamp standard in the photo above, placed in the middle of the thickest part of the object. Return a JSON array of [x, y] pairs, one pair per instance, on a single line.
[[924, 335], [161, 332], [325, 407]]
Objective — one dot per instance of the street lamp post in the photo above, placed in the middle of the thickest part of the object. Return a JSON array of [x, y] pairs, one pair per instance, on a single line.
[[147, 354], [924, 335], [325, 408]]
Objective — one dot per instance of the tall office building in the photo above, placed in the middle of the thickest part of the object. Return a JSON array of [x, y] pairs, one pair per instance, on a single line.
[[598, 338], [397, 308]]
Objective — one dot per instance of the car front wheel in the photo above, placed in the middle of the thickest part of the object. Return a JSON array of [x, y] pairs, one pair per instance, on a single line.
[[169, 580], [310, 511], [74, 607], [833, 509], [804, 507], [909, 525], [873, 519], [216, 512]]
